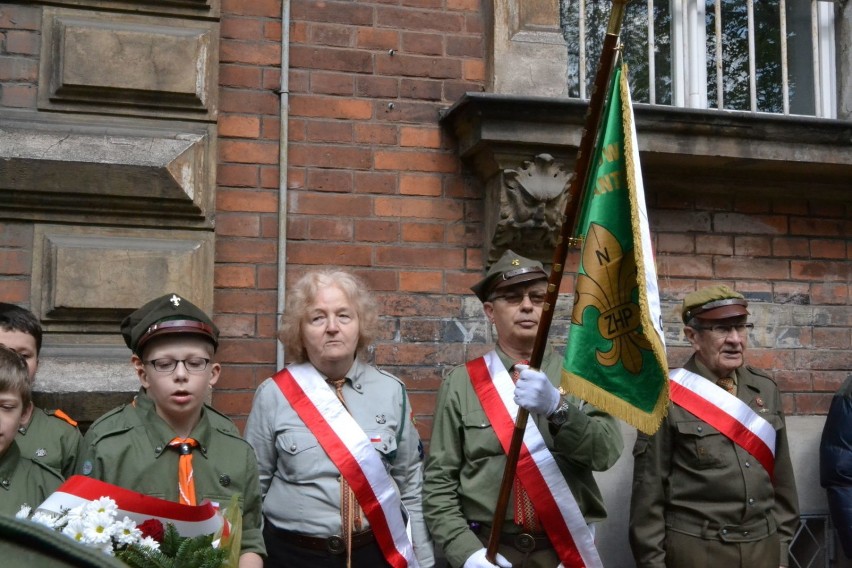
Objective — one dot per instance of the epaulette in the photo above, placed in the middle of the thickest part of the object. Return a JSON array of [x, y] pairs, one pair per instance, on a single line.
[[108, 415], [760, 373], [394, 377], [62, 416], [221, 422]]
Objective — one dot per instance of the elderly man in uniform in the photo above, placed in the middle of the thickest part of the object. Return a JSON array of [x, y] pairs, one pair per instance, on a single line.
[[714, 485], [477, 404]]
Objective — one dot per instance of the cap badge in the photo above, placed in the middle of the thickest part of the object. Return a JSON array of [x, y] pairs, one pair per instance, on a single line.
[[175, 299], [516, 262]]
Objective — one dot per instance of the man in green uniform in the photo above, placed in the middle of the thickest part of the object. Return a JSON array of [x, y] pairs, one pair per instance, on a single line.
[[466, 461], [23, 481], [49, 436], [700, 499], [168, 442]]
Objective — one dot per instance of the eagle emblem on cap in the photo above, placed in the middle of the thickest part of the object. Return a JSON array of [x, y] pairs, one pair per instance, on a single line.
[[175, 300], [516, 262]]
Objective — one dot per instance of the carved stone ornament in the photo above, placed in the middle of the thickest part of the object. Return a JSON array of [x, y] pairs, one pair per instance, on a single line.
[[531, 204]]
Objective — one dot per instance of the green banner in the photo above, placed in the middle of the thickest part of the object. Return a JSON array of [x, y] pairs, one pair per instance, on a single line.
[[615, 356]]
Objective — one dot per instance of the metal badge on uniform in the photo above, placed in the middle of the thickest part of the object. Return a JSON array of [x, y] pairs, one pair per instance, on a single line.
[[759, 402], [40, 453], [22, 430], [87, 467], [380, 418], [224, 480]]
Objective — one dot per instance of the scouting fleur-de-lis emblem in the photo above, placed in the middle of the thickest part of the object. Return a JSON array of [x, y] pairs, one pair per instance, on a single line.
[[608, 285], [175, 299]]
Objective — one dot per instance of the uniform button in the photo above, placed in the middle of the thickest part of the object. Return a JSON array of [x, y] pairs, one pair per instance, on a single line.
[[747, 464], [158, 449], [384, 447], [292, 447], [700, 428], [482, 425], [5, 483], [745, 533], [724, 531], [358, 387], [751, 501]]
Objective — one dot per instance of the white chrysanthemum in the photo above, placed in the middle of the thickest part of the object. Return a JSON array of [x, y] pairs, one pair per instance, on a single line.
[[126, 533], [98, 528], [150, 543], [24, 512], [103, 505], [47, 519], [75, 529]]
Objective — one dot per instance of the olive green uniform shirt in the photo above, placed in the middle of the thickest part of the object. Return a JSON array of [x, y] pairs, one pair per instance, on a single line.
[[466, 461], [24, 481], [128, 447], [51, 440], [690, 478]]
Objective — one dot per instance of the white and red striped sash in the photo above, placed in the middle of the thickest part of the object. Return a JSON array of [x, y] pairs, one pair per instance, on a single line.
[[189, 520], [350, 449], [549, 492], [725, 412]]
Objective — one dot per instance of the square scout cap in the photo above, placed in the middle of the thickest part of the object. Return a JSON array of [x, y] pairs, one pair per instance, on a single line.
[[511, 269], [164, 315], [713, 303]]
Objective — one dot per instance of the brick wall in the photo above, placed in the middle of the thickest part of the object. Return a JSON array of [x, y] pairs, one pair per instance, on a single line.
[[375, 185]]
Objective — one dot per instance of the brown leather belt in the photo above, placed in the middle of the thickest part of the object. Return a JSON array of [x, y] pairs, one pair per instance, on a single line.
[[332, 544], [526, 542]]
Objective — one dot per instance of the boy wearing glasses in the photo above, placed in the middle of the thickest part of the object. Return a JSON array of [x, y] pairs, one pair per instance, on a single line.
[[714, 485], [466, 458], [168, 442]]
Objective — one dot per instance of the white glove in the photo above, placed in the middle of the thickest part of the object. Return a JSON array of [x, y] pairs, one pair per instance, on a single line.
[[534, 392], [478, 560]]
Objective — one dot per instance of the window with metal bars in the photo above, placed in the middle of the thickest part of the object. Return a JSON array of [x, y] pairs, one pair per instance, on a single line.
[[774, 56]]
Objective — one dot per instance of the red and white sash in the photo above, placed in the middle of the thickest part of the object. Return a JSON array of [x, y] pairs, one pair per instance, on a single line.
[[725, 412], [352, 452], [549, 492], [189, 520]]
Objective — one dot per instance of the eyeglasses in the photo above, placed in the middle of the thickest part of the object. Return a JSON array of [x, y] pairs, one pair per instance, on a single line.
[[192, 365], [720, 330], [515, 298]]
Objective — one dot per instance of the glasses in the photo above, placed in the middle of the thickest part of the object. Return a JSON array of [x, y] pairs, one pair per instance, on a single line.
[[192, 365], [724, 330], [515, 298]]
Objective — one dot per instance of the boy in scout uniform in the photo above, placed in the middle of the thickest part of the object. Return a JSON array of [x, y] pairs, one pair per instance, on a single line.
[[700, 498], [49, 436], [466, 460], [23, 481], [168, 443]]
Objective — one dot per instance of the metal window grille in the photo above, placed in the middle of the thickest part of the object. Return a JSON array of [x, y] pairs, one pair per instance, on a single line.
[[813, 543], [773, 56]]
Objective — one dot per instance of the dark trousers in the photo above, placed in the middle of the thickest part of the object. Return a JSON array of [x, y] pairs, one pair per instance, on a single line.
[[282, 553]]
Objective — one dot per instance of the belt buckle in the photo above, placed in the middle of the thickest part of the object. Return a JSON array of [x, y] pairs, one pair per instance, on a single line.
[[525, 542], [335, 545]]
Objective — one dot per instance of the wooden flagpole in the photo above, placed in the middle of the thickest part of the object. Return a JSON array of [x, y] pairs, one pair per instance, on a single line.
[[576, 191]]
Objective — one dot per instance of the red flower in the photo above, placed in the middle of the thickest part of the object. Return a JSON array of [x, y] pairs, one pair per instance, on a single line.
[[153, 528]]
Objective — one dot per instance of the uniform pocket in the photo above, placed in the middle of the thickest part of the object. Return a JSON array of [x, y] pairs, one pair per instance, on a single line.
[[703, 446], [299, 454], [384, 442], [480, 441]]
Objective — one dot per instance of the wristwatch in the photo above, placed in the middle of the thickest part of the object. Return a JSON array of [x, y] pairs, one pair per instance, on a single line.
[[560, 415]]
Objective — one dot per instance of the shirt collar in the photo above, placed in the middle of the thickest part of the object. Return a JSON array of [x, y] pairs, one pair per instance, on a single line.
[[8, 465], [160, 433]]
